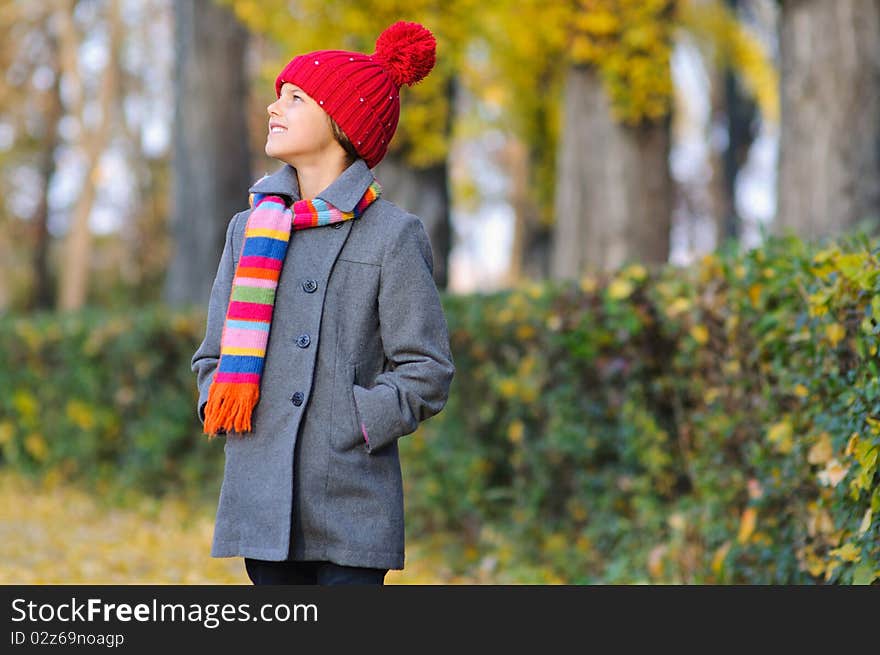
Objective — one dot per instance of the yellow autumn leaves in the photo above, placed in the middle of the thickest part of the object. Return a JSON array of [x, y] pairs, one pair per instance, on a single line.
[[845, 279], [827, 550], [55, 533], [526, 382], [629, 42], [515, 431], [747, 524], [835, 333], [820, 525], [625, 281], [620, 288], [781, 435]]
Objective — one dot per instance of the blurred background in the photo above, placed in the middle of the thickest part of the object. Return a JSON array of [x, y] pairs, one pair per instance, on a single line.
[[603, 181]]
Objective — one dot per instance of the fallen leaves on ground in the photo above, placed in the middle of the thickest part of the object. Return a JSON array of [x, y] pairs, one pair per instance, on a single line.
[[55, 533]]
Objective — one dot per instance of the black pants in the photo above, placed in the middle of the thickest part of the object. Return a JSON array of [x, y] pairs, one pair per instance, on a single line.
[[310, 572]]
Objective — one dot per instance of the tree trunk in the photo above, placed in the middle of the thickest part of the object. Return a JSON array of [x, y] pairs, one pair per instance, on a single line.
[[144, 270], [74, 275], [425, 193], [614, 191], [532, 240], [741, 133], [211, 159], [42, 296], [735, 113], [829, 175], [741, 112]]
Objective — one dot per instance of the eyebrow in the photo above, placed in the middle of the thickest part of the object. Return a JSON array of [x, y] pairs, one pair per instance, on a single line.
[[292, 86]]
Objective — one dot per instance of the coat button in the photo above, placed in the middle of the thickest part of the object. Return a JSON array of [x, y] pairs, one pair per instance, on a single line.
[[297, 398], [309, 286], [303, 341]]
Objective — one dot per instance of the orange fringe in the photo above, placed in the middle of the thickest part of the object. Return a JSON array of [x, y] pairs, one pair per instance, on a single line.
[[229, 407]]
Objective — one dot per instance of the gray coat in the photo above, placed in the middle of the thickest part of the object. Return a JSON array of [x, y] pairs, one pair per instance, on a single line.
[[358, 335]]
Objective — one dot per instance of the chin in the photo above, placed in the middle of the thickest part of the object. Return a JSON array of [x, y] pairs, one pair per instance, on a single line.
[[278, 153]]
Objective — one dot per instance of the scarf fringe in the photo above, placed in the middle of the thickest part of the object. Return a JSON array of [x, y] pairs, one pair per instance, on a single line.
[[229, 407]]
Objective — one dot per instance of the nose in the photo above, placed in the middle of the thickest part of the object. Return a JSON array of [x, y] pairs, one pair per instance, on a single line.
[[271, 108]]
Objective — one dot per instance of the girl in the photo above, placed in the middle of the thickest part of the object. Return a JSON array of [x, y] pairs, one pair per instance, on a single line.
[[323, 346]]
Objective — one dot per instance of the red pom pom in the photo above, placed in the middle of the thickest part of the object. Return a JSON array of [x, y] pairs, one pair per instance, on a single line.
[[408, 51]]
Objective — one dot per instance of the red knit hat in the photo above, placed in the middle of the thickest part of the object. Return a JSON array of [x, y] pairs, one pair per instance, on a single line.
[[362, 92]]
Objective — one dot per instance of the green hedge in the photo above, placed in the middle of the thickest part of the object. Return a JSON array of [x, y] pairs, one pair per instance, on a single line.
[[708, 424], [106, 398]]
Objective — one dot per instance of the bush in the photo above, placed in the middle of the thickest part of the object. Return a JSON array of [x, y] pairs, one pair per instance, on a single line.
[[106, 398], [713, 424]]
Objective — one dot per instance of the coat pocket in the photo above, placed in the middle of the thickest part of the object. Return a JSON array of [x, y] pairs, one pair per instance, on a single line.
[[346, 432]]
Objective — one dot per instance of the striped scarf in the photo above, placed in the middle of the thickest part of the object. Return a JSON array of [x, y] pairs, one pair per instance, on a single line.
[[235, 389]]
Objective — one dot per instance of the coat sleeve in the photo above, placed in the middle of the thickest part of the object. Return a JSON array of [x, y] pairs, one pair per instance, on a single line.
[[416, 341], [207, 356]]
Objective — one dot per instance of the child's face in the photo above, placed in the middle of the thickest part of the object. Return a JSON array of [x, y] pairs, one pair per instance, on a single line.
[[307, 137]]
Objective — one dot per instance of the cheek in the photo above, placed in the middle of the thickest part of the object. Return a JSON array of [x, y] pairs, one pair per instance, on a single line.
[[311, 127], [307, 126], [289, 115], [302, 119]]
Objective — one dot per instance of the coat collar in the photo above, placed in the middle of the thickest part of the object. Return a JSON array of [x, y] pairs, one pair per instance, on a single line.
[[343, 193]]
